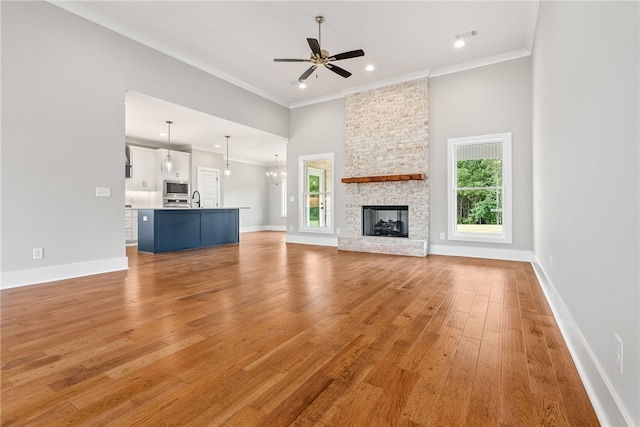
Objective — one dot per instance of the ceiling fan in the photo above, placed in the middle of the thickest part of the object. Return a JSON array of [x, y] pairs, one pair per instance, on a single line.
[[322, 57]]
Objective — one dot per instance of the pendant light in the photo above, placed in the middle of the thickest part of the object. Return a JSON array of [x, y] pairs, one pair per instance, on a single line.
[[228, 173], [167, 163], [276, 175]]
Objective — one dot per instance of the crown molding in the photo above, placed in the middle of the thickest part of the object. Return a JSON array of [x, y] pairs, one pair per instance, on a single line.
[[109, 24], [436, 72], [83, 12], [362, 88], [490, 60]]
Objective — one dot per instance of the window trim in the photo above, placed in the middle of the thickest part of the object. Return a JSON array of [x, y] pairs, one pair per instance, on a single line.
[[301, 196], [507, 224], [283, 197]]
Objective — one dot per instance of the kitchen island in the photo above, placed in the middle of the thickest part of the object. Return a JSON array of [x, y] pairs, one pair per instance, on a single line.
[[166, 230]]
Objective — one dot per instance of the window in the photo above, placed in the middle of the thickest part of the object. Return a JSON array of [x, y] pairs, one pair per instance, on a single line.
[[479, 183], [283, 197], [316, 182]]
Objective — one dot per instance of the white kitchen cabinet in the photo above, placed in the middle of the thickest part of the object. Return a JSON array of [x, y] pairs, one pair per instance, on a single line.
[[134, 225], [182, 165], [144, 168], [128, 230], [131, 225]]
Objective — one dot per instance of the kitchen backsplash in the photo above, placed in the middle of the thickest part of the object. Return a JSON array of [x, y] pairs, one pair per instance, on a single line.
[[143, 199]]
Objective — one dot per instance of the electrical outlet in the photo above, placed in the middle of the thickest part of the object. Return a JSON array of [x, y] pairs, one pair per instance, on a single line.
[[338, 230], [619, 353], [38, 253], [442, 236], [550, 261], [291, 228]]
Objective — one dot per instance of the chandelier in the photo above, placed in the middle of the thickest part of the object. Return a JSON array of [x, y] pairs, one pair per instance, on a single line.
[[275, 175]]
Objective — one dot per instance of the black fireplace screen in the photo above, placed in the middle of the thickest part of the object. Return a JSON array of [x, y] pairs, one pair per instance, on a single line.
[[386, 221]]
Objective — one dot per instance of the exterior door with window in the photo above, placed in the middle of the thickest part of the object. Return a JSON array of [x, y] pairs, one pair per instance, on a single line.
[[316, 200], [316, 183]]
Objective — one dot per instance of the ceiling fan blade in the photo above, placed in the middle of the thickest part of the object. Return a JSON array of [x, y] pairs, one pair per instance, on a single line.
[[340, 71], [347, 55], [307, 73], [290, 60], [315, 47]]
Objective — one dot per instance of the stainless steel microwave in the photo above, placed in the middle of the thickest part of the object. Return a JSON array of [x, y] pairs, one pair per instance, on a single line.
[[175, 189]]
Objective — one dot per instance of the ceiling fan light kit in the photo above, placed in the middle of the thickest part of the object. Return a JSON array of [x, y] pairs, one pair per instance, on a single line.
[[321, 57]]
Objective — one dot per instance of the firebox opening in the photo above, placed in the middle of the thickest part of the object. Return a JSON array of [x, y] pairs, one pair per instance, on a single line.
[[385, 221]]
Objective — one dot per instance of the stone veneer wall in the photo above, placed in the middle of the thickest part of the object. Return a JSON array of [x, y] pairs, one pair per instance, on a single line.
[[387, 134]]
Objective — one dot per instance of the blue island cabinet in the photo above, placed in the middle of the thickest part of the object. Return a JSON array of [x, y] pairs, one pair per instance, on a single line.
[[166, 230]]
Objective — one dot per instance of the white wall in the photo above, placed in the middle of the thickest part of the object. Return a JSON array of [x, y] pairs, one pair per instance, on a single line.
[[586, 190], [316, 129], [63, 89], [248, 188], [204, 159], [275, 221], [482, 101]]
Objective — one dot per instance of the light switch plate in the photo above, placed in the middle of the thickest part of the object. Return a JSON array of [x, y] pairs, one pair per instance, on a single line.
[[103, 192]]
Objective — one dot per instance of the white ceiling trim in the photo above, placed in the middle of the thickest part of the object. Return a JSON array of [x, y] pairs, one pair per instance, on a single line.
[[153, 44], [436, 72], [101, 20], [362, 88], [533, 23], [508, 56]]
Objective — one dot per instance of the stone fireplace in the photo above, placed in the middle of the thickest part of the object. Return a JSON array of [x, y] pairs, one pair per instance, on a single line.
[[386, 164]]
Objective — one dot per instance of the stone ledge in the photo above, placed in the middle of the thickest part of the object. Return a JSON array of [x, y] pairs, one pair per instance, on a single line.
[[384, 245]]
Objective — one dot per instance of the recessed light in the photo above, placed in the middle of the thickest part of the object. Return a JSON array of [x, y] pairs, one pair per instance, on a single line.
[[370, 67], [163, 134], [459, 42], [217, 146], [302, 85]]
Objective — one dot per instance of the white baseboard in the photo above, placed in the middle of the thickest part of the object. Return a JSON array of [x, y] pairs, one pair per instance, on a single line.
[[253, 228], [474, 252], [32, 276], [312, 240], [606, 403]]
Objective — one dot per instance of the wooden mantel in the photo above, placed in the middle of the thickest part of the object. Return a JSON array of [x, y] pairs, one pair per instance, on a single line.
[[384, 178]]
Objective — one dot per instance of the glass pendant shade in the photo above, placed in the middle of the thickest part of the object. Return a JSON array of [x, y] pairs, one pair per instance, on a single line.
[[167, 163], [228, 173], [275, 175]]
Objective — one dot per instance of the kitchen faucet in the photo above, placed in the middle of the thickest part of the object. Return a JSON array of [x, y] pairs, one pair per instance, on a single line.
[[193, 197]]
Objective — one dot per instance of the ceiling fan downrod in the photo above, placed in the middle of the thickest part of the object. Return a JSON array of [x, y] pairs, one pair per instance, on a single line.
[[320, 20]]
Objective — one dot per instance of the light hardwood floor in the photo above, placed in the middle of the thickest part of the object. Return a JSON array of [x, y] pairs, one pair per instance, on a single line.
[[267, 333]]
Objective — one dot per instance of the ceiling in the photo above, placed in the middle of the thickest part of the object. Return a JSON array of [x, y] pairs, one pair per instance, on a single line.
[[238, 40]]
